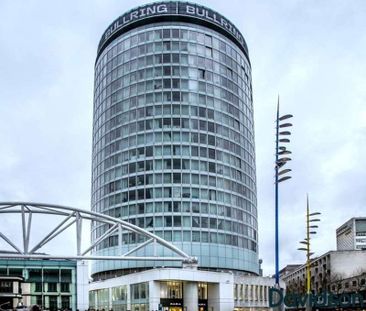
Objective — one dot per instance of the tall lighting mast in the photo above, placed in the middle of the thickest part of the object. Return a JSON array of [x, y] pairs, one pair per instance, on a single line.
[[281, 173]]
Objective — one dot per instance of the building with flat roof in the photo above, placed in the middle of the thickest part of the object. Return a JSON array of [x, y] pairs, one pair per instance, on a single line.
[[352, 234], [173, 289], [288, 269], [51, 284], [10, 292], [328, 272], [173, 153]]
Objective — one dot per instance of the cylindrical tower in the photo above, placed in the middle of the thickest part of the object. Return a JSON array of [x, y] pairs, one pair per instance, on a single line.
[[173, 136]]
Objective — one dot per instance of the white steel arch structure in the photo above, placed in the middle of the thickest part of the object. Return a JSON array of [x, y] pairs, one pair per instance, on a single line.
[[76, 217]]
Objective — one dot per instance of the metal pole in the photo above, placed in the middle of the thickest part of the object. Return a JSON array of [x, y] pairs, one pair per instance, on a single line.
[[78, 233], [24, 230], [308, 245], [308, 305], [276, 197]]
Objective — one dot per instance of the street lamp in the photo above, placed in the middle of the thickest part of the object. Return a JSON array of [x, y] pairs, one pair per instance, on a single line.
[[310, 230], [282, 132]]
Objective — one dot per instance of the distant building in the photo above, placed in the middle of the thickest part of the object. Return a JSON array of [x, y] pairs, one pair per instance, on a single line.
[[10, 291], [355, 283], [329, 272], [288, 269], [51, 284], [352, 234]]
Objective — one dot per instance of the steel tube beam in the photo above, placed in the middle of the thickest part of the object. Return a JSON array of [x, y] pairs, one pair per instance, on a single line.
[[79, 223], [27, 256], [79, 214], [100, 239], [7, 240], [138, 247], [57, 233], [5, 207], [24, 231], [45, 239]]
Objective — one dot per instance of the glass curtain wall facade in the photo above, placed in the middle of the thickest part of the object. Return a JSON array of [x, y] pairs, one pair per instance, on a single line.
[[173, 144], [49, 283]]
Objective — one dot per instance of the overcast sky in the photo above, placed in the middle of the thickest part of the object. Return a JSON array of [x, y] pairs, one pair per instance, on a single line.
[[312, 53]]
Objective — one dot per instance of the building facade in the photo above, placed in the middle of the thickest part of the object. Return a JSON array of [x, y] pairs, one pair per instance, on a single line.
[[288, 269], [173, 136], [10, 292], [352, 234], [172, 289], [328, 272], [173, 153], [51, 284]]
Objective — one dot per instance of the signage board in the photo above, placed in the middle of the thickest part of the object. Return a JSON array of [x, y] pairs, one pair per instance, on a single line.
[[175, 10]]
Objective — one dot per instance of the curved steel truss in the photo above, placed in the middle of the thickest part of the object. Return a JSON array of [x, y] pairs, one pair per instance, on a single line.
[[74, 216]]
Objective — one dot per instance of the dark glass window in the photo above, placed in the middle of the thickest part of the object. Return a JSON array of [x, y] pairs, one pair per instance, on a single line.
[[211, 140], [167, 83], [203, 152], [194, 138], [65, 302], [6, 287], [213, 223], [52, 287], [175, 33], [149, 151], [132, 168], [176, 96], [166, 33], [176, 83], [52, 300], [132, 181], [65, 287], [158, 59], [177, 178], [177, 221], [149, 222], [195, 221], [175, 58], [166, 46], [166, 58], [168, 221], [176, 163], [167, 70], [38, 287]]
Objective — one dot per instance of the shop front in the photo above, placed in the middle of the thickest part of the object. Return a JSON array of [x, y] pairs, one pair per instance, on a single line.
[[170, 304], [202, 305]]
